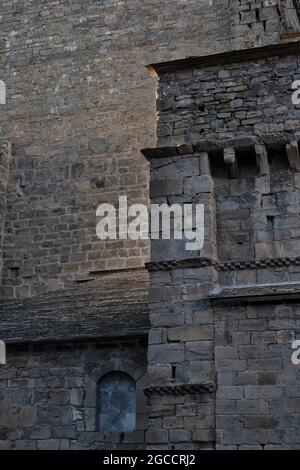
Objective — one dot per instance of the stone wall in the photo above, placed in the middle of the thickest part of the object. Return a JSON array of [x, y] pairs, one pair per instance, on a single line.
[[48, 395], [258, 399], [266, 225], [255, 23], [5, 154], [222, 102], [223, 319], [80, 106], [181, 340], [181, 403]]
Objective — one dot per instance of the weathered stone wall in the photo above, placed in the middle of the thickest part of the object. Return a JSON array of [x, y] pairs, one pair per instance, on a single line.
[[181, 341], [223, 320], [222, 102], [181, 352], [80, 107], [257, 216], [257, 208], [4, 172], [48, 395], [257, 399], [255, 23]]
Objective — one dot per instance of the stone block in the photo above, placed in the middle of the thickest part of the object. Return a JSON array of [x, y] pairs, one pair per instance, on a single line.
[[198, 184], [157, 436], [180, 435], [166, 353], [166, 187], [191, 333]]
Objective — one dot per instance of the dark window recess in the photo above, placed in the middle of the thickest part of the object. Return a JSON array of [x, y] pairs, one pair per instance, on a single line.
[[117, 403]]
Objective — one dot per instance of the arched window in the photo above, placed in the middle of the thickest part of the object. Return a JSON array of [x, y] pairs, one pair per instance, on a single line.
[[117, 403]]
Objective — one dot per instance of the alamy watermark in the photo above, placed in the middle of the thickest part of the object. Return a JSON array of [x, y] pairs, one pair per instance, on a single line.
[[137, 222], [296, 353]]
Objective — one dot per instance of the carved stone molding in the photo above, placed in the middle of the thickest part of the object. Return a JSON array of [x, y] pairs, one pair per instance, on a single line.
[[180, 389], [180, 264], [258, 264], [222, 266]]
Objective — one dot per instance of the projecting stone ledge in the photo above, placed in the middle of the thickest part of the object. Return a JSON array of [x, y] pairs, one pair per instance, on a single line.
[[181, 389], [258, 144], [256, 293], [205, 145], [228, 57]]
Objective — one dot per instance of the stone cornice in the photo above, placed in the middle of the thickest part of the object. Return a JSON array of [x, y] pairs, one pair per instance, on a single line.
[[217, 146], [222, 265], [256, 293], [243, 55], [180, 264], [180, 389]]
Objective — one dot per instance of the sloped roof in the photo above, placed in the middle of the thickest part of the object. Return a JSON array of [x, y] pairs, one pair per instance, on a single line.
[[112, 306]]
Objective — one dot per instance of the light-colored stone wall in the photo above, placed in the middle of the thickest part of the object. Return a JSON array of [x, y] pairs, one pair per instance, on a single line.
[[80, 106]]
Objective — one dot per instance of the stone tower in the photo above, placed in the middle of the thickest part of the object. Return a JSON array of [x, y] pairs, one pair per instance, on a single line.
[[223, 320]]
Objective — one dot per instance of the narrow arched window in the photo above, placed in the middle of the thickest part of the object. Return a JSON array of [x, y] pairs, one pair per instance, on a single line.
[[117, 402]]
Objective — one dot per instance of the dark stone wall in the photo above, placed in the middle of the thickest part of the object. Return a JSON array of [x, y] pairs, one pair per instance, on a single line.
[[222, 102], [257, 216], [49, 395], [225, 318], [258, 399]]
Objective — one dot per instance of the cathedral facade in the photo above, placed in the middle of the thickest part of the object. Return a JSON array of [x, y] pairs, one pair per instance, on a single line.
[[142, 344]]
